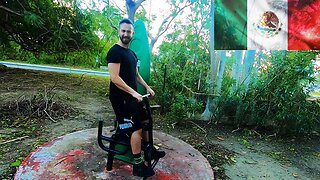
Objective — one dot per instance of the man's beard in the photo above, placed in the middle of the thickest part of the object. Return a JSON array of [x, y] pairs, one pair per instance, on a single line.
[[125, 40]]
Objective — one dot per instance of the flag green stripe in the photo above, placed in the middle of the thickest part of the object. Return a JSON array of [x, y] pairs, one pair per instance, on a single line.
[[230, 24]]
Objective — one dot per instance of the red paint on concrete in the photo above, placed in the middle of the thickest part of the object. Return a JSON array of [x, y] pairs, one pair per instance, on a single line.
[[36, 166], [66, 162], [46, 144], [70, 157], [25, 161], [162, 175], [32, 162]]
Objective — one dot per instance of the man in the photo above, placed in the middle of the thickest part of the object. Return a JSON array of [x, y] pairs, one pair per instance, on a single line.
[[122, 65]]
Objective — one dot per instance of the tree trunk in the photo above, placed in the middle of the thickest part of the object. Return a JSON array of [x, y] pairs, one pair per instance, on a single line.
[[132, 7], [222, 58], [248, 65], [131, 14], [257, 69], [236, 72], [207, 114]]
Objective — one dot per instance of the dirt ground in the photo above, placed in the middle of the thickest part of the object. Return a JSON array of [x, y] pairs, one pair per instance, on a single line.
[[36, 107]]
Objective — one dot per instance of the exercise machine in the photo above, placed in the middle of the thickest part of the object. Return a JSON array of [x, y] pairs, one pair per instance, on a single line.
[[119, 144]]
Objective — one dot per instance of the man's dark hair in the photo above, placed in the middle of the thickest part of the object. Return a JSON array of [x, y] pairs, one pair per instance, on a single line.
[[125, 20]]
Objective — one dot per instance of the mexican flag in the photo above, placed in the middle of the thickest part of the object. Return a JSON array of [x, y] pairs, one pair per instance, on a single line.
[[267, 24]]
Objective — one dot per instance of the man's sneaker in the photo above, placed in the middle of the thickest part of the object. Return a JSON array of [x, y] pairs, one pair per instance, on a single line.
[[142, 170], [153, 154], [157, 154]]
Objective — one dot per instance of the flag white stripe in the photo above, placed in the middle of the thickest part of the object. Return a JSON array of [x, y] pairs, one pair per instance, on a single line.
[[256, 39]]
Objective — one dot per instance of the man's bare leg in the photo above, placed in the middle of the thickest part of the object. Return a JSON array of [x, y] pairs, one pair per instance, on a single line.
[[135, 141], [139, 168]]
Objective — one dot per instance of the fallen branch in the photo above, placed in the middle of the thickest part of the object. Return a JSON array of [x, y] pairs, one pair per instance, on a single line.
[[197, 93], [49, 116], [45, 98], [12, 140], [61, 160], [257, 133], [10, 11], [272, 135], [236, 130], [198, 126], [251, 162], [173, 124]]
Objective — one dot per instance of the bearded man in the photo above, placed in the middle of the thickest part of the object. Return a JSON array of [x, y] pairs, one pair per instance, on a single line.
[[123, 95]]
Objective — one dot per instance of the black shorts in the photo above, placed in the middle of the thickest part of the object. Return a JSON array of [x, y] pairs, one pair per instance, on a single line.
[[129, 113]]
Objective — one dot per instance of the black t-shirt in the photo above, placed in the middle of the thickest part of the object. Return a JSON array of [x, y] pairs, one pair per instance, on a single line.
[[128, 64]]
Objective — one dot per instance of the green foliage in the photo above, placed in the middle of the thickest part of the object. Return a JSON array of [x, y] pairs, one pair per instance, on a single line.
[[277, 99], [181, 68], [288, 108], [80, 58], [57, 33], [17, 162], [143, 16], [33, 19], [31, 58], [177, 75], [54, 26]]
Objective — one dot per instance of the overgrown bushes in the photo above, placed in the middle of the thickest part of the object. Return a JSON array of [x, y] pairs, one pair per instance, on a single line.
[[176, 76], [275, 98], [278, 98]]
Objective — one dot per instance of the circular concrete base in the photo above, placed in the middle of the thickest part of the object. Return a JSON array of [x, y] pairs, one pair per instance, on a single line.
[[78, 156]]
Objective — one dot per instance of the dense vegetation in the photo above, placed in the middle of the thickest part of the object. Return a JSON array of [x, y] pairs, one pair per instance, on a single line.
[[272, 95], [55, 32], [244, 88]]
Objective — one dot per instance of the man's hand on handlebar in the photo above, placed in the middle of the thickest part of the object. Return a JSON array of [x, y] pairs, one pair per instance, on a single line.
[[138, 96], [150, 91]]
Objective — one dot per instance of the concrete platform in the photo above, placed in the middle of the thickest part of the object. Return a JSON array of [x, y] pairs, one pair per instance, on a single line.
[[78, 156]]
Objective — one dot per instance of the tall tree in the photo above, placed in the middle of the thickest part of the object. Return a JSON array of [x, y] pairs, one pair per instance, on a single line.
[[237, 69], [132, 7], [223, 58], [167, 21], [177, 8], [248, 67], [214, 67]]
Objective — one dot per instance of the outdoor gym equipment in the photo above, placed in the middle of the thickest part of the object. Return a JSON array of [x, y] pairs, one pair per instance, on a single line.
[[119, 143], [76, 156]]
